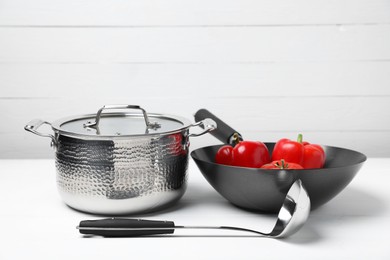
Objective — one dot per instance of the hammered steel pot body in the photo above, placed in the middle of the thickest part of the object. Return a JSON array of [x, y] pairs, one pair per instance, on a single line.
[[121, 163], [122, 175]]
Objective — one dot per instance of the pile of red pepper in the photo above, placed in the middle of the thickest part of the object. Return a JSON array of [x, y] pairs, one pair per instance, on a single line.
[[287, 154]]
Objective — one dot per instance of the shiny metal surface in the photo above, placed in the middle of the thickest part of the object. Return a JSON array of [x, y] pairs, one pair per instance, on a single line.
[[91, 174], [121, 174], [294, 212]]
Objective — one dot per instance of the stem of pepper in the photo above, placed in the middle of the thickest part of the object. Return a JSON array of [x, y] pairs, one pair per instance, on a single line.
[[300, 138], [236, 138], [284, 165]]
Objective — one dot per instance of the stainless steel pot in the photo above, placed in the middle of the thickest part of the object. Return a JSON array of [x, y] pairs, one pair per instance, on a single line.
[[121, 162]]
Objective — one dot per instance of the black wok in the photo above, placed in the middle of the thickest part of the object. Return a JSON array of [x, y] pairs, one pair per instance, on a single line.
[[264, 190]]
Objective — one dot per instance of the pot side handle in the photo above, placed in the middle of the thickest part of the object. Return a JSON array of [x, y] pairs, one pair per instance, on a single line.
[[224, 133], [33, 126], [207, 124]]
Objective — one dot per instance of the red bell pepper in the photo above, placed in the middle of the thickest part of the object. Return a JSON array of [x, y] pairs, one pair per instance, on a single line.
[[307, 155], [224, 155], [251, 154]]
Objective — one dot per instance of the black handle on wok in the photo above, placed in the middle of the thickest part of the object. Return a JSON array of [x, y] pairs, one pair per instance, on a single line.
[[224, 132], [124, 227]]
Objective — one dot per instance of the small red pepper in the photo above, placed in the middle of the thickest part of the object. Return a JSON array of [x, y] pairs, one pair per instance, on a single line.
[[251, 154], [224, 155], [281, 164], [307, 155]]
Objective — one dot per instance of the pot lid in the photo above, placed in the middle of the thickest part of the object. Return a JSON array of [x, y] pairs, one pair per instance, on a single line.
[[119, 123]]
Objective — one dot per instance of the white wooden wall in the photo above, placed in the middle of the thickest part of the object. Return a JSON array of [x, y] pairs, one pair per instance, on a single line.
[[270, 68]]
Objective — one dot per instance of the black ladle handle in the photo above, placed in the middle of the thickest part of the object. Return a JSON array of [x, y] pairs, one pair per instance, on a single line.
[[224, 132], [122, 227]]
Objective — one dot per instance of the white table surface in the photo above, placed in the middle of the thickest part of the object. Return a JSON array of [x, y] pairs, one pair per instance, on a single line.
[[36, 224]]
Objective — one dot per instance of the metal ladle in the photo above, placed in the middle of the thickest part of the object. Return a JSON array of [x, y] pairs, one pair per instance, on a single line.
[[291, 217]]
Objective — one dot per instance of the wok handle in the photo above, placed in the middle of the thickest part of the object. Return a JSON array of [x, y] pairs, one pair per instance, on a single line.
[[224, 132], [124, 227]]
